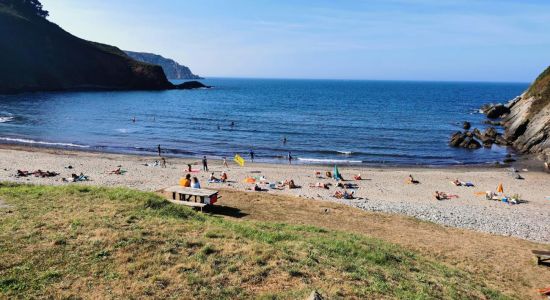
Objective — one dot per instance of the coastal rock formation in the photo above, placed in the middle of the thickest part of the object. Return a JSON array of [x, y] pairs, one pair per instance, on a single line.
[[496, 111], [38, 55], [172, 69], [466, 125], [528, 123], [464, 140]]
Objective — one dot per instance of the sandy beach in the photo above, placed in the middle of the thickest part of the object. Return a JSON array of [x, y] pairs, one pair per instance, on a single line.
[[381, 190]]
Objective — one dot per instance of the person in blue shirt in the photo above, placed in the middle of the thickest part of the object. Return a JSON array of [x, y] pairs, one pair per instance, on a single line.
[[195, 183]]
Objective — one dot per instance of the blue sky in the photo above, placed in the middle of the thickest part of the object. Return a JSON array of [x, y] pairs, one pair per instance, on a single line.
[[468, 40]]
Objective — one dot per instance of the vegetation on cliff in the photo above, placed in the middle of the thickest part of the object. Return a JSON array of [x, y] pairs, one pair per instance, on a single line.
[[38, 55]]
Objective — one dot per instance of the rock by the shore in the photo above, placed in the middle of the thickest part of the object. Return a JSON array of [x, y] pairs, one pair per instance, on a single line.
[[497, 111], [528, 123], [464, 140], [466, 125], [191, 85]]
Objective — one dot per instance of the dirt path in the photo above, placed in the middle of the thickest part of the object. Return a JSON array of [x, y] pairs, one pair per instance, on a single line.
[[505, 261]]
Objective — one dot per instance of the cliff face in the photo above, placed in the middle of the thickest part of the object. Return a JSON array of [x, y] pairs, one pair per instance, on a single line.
[[528, 123], [172, 69], [37, 55]]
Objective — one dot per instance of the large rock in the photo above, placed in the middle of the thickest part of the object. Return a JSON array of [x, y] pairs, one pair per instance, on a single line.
[[528, 123], [464, 140], [497, 111], [466, 125]]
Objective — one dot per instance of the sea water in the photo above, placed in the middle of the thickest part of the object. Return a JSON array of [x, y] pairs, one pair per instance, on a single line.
[[323, 121]]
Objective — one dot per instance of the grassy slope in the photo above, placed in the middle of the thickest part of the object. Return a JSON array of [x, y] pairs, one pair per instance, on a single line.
[[36, 54], [83, 241], [540, 90]]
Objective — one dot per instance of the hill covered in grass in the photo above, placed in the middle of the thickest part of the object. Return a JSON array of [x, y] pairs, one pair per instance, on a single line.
[[172, 69], [38, 55], [78, 241]]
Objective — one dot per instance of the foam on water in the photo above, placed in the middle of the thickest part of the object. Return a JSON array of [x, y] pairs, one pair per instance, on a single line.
[[27, 141]]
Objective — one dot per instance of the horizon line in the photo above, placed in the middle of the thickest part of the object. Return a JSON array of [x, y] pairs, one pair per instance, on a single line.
[[205, 77]]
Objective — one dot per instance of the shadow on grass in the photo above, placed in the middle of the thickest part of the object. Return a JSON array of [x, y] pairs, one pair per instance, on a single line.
[[224, 211]]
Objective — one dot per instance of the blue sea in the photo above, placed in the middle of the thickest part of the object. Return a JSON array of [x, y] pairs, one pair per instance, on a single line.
[[324, 121]]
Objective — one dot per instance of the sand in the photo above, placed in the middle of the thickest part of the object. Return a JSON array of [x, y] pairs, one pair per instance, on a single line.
[[383, 190]]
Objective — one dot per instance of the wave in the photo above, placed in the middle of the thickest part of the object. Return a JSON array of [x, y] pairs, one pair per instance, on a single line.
[[27, 141], [347, 153], [5, 119], [321, 160]]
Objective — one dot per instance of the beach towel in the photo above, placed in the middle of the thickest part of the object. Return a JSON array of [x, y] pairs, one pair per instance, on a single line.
[[250, 180]]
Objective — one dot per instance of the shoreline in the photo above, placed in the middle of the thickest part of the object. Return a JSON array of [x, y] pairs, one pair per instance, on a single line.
[[522, 160], [383, 189]]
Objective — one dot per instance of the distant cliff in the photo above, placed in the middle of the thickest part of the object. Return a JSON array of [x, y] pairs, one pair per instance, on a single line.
[[528, 122], [172, 69], [38, 55]]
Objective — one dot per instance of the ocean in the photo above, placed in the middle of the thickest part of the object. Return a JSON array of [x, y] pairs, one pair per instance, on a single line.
[[323, 121]]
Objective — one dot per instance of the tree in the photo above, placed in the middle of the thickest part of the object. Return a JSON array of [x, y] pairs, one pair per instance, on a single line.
[[27, 7]]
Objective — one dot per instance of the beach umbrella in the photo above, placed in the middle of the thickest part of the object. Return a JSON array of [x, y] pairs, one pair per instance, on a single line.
[[239, 160], [336, 174], [500, 189]]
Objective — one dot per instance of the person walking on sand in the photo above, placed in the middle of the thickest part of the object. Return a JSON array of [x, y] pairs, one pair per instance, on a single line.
[[159, 150], [251, 156], [163, 162], [225, 162], [204, 164], [289, 158]]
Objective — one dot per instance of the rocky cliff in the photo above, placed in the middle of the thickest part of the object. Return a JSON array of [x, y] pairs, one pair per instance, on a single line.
[[172, 69], [38, 55], [528, 122]]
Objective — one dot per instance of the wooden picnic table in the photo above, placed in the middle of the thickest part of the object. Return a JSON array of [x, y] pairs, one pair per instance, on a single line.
[[542, 256], [191, 197]]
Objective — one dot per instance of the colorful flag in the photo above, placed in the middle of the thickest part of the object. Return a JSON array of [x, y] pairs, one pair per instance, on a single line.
[[239, 160]]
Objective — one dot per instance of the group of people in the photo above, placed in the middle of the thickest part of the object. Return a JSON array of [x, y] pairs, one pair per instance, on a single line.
[[187, 181]]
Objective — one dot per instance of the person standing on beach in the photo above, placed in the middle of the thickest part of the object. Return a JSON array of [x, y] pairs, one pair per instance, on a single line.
[[251, 156], [225, 162], [204, 164], [159, 150], [289, 158]]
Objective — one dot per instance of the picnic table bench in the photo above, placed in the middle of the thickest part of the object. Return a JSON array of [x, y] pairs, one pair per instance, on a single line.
[[191, 197], [542, 256]]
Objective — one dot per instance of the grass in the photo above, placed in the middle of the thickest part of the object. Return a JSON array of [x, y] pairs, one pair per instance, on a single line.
[[90, 242]]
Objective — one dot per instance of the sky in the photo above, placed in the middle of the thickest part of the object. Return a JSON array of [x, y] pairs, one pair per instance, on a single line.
[[442, 40]]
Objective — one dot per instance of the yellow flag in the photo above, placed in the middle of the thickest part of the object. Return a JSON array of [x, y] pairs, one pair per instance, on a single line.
[[239, 160]]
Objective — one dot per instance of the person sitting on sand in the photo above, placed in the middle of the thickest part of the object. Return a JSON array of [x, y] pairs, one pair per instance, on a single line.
[[186, 182], [411, 180], [224, 177], [213, 178], [290, 184], [348, 196], [357, 177], [195, 183], [328, 174], [457, 182]]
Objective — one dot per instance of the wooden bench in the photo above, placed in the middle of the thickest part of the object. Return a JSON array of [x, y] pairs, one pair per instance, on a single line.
[[191, 197], [542, 256]]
